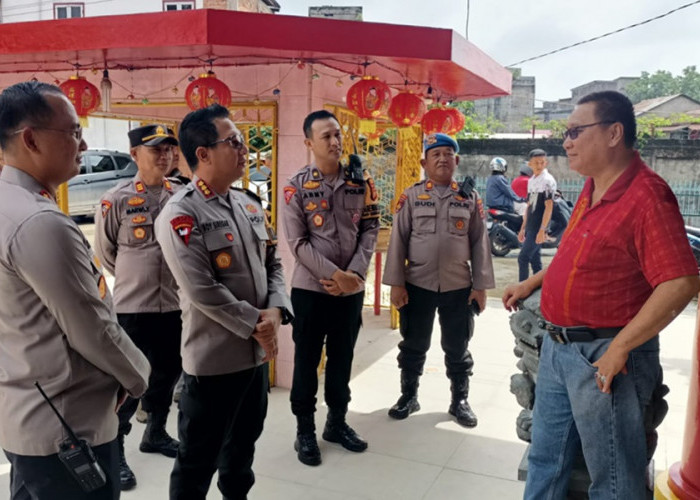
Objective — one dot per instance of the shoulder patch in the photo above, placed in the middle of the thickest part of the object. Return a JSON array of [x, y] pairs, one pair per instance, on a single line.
[[182, 225], [400, 202], [105, 206], [288, 193]]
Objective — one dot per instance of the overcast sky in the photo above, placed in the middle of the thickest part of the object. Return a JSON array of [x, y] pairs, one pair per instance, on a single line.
[[513, 30]]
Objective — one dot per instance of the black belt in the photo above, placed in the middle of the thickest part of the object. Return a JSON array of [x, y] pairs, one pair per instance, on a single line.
[[566, 334]]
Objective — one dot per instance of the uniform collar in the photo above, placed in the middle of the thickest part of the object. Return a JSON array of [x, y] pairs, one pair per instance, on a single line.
[[14, 175], [140, 187], [453, 187]]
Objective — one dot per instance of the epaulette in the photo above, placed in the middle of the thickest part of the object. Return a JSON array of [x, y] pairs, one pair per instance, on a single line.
[[176, 180]]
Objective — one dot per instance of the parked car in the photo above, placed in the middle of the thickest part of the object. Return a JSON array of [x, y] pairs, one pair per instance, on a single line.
[[100, 170]]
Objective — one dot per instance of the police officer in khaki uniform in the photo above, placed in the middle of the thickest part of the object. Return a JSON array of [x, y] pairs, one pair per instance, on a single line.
[[223, 255], [58, 323], [145, 293], [331, 223], [438, 232]]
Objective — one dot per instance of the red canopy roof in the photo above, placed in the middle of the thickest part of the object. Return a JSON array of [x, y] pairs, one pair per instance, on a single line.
[[184, 39]]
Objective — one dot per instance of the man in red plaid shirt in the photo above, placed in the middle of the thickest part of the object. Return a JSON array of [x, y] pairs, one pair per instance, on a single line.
[[623, 271]]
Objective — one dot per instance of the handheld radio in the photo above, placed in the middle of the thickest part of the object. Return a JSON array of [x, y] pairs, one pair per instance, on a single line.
[[77, 455]]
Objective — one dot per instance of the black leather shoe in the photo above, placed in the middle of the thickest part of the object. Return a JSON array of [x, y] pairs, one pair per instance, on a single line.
[[307, 449], [343, 434], [464, 413], [404, 407], [127, 480]]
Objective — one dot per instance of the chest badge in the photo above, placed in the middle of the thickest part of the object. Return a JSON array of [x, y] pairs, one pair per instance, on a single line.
[[324, 204], [139, 233], [317, 220], [312, 185], [229, 236], [310, 206], [139, 219], [223, 260], [423, 196], [251, 208], [102, 287], [135, 201], [459, 224]]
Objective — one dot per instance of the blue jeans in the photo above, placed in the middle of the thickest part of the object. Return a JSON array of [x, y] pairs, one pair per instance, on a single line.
[[571, 412], [529, 255]]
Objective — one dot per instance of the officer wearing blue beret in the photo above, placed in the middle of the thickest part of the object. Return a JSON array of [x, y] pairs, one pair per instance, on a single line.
[[438, 259]]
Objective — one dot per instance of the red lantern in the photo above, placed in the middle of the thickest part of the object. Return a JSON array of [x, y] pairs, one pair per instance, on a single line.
[[442, 120], [207, 90], [406, 109], [369, 99], [83, 94]]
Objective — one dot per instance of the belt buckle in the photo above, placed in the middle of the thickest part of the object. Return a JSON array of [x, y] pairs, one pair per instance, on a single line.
[[559, 337]]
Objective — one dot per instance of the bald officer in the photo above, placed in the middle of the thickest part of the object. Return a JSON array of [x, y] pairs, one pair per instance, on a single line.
[[223, 255], [145, 293], [438, 259], [58, 324], [331, 222]]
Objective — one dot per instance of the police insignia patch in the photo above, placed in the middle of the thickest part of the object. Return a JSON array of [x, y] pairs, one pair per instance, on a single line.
[[204, 189], [318, 220], [459, 224], [311, 185], [459, 197], [45, 194], [324, 204], [167, 185], [223, 260], [288, 193], [251, 208], [400, 203], [139, 233], [355, 218], [480, 205], [96, 261], [140, 188], [136, 201], [229, 236], [373, 194], [182, 225], [429, 185], [139, 219], [311, 206], [454, 186], [423, 197], [105, 208]]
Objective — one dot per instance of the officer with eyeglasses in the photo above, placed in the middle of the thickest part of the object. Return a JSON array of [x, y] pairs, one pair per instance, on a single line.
[[145, 293], [58, 322], [222, 251], [623, 271]]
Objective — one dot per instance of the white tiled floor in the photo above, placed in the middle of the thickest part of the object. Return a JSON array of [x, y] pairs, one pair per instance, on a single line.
[[428, 456]]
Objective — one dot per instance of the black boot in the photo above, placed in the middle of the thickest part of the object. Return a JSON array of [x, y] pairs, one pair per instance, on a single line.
[[338, 431], [459, 407], [127, 480], [305, 444], [156, 439], [408, 402]]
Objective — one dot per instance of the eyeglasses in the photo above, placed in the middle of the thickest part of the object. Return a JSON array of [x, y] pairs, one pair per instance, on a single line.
[[235, 141], [573, 132], [77, 133]]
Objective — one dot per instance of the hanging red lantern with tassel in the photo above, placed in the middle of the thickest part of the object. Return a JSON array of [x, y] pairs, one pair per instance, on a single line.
[[369, 99], [405, 111], [84, 95], [444, 120], [207, 90]]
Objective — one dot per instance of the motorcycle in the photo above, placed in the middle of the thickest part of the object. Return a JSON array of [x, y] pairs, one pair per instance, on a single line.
[[693, 234], [503, 227]]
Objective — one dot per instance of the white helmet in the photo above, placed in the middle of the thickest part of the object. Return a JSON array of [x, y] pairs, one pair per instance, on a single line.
[[498, 164]]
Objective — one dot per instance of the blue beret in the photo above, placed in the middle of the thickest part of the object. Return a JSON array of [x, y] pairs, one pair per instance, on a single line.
[[436, 140]]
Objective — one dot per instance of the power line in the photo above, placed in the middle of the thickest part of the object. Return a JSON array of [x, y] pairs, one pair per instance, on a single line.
[[466, 27], [607, 34]]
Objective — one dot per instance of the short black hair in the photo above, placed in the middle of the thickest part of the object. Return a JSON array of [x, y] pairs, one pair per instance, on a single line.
[[321, 114], [613, 107], [198, 129], [24, 103]]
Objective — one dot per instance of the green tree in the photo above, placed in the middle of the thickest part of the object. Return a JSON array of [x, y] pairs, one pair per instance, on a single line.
[[663, 83], [474, 125]]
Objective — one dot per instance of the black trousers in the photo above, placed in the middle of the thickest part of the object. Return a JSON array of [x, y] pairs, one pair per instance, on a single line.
[[158, 336], [46, 478], [456, 323], [337, 320], [220, 418]]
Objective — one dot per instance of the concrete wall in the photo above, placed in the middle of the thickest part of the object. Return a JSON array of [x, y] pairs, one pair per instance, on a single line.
[[674, 160], [513, 109]]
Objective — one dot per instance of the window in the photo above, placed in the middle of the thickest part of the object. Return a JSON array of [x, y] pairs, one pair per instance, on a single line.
[[100, 163], [178, 5], [68, 10]]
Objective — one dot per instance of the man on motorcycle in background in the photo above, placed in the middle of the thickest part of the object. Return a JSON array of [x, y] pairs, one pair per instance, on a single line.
[[519, 186], [499, 194]]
